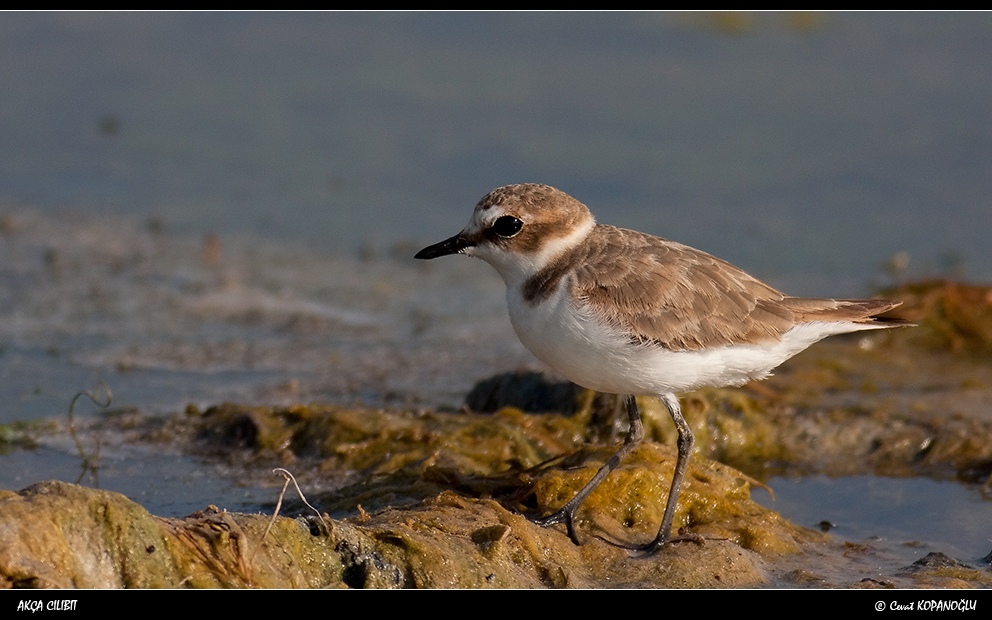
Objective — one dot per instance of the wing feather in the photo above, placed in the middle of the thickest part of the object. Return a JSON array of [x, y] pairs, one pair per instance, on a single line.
[[682, 298]]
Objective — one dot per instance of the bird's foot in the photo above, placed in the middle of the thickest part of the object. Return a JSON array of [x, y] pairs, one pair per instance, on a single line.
[[660, 542], [567, 516]]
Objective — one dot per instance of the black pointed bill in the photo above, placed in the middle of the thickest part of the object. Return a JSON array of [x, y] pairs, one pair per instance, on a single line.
[[453, 245]]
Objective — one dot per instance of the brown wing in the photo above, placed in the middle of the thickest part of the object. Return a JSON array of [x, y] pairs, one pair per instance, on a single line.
[[675, 295], [683, 298]]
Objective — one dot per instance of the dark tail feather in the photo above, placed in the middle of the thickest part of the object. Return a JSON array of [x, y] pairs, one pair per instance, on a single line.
[[865, 311]]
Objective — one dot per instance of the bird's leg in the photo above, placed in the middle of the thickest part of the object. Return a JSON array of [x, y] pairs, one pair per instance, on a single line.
[[566, 513], [685, 447]]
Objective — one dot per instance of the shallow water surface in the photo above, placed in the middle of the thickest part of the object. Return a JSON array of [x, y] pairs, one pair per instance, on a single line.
[[905, 517]]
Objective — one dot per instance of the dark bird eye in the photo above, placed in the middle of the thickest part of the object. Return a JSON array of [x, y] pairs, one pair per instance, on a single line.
[[506, 226]]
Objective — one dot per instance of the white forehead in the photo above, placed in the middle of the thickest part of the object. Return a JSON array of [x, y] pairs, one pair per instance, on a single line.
[[483, 217]]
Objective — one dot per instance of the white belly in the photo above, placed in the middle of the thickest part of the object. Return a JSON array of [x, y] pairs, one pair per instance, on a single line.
[[592, 354]]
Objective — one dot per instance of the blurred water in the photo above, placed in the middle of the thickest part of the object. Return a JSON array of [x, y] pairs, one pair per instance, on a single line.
[[808, 149], [165, 319]]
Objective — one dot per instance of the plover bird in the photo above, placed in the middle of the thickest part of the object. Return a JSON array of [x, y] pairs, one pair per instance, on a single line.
[[624, 312]]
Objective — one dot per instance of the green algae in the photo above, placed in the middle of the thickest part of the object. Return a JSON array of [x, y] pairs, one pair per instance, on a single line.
[[70, 536], [22, 435]]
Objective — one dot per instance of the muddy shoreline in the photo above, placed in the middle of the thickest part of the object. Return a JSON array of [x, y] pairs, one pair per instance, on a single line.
[[441, 499]]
